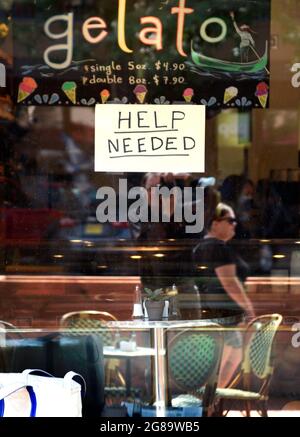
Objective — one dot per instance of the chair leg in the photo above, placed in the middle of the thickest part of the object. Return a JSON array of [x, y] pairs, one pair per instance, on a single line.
[[107, 375], [218, 410], [113, 373], [248, 408], [264, 409], [121, 378]]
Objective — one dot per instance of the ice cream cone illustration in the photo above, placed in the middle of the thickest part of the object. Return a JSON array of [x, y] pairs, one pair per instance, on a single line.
[[263, 100], [140, 92], [69, 88], [188, 94], [262, 93], [26, 87], [104, 95], [230, 93]]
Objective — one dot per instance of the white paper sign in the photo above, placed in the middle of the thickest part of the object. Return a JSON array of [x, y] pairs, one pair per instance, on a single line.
[[150, 138]]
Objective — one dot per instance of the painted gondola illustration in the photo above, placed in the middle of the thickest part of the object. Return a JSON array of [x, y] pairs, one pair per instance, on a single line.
[[245, 66], [209, 63]]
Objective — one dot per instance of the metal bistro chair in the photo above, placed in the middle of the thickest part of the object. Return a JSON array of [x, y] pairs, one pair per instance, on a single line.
[[194, 357], [91, 321], [256, 365], [8, 331]]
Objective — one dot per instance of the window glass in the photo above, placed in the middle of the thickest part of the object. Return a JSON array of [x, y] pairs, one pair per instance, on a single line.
[[56, 256]]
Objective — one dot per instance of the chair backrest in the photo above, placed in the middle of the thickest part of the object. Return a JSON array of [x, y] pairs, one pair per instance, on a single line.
[[8, 332], [7, 325], [194, 357], [90, 321], [260, 334]]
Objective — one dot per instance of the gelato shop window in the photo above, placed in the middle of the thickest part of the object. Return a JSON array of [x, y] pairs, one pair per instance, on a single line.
[[149, 151]]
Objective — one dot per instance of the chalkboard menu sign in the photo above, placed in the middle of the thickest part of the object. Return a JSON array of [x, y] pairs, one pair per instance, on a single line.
[[209, 52]]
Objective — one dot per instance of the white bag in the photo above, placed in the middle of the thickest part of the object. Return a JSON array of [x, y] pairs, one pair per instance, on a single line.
[[27, 395]]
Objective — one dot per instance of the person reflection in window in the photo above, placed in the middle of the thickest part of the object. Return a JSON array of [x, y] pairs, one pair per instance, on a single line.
[[158, 230], [154, 271], [219, 277]]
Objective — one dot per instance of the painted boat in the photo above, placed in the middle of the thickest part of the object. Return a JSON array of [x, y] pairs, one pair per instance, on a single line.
[[228, 66]]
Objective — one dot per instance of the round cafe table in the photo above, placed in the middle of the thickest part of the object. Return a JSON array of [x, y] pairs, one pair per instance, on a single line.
[[157, 331]]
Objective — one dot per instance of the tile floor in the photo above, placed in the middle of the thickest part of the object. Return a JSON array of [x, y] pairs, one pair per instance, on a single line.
[[277, 408]]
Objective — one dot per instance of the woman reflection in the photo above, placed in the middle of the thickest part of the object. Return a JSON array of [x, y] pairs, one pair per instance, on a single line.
[[220, 276]]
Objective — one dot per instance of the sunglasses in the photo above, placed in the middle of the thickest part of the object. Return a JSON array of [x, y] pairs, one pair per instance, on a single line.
[[230, 220]]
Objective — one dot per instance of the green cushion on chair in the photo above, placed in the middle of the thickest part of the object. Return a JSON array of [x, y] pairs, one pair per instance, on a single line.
[[233, 393], [186, 400]]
